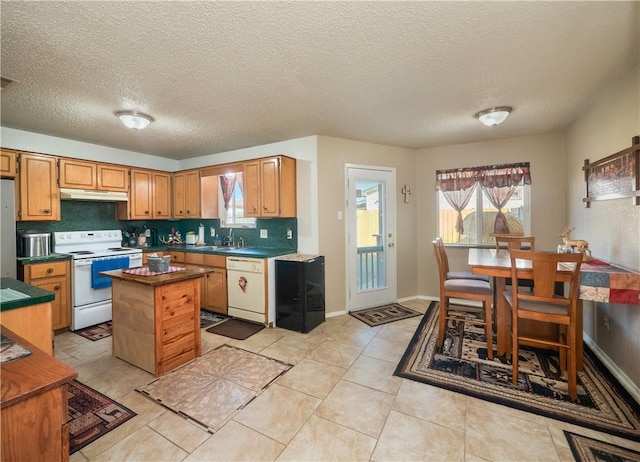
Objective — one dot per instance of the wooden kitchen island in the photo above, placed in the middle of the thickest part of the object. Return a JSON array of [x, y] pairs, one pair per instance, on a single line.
[[156, 319]]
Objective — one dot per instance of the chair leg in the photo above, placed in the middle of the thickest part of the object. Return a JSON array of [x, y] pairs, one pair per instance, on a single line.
[[442, 324], [488, 326], [514, 352], [572, 368]]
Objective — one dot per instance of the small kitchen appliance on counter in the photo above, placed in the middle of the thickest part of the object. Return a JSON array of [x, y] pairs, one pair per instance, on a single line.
[[33, 243]]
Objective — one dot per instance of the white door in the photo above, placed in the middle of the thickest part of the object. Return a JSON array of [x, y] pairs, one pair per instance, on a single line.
[[371, 256]]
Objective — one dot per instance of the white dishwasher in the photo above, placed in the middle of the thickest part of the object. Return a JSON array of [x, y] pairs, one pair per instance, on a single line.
[[247, 288]]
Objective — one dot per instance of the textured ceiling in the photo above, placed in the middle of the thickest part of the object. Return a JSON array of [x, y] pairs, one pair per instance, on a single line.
[[219, 76]]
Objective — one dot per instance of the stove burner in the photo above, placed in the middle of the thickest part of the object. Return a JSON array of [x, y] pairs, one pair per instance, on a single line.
[[119, 249], [81, 252]]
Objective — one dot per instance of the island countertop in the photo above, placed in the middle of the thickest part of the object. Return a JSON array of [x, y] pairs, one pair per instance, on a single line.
[[20, 294], [158, 279]]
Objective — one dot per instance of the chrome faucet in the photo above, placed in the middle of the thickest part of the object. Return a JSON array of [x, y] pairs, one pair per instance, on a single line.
[[230, 237]]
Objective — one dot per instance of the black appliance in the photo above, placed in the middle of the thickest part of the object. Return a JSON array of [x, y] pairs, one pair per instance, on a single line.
[[300, 294]]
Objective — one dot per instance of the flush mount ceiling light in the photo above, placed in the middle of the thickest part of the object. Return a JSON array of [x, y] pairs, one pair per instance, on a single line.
[[493, 116], [134, 119]]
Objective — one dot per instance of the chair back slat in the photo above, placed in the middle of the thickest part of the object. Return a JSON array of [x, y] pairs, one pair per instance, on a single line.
[[441, 259], [544, 266], [511, 242]]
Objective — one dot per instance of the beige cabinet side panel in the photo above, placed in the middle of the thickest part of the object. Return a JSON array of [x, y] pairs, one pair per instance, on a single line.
[[133, 324]]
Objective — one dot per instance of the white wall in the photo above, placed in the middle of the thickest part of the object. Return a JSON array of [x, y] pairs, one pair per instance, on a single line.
[[45, 144], [546, 156], [611, 227]]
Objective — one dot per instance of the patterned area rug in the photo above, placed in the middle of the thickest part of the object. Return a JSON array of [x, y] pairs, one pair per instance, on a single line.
[[384, 314], [586, 449], [207, 318], [211, 389], [462, 366], [96, 332], [91, 415]]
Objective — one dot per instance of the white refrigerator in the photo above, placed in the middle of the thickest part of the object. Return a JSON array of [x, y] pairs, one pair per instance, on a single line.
[[8, 229]]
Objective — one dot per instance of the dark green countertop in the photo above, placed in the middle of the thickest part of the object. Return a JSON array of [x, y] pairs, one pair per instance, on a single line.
[[36, 295], [48, 258], [253, 252]]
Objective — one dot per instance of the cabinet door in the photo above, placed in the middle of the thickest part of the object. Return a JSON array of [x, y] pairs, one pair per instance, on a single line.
[[140, 195], [178, 183], [161, 198], [251, 193], [60, 305], [192, 194], [270, 188], [77, 174], [7, 163], [113, 178], [216, 291], [39, 195]]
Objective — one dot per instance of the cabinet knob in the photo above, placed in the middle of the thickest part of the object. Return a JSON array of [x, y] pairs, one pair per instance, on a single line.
[[180, 211], [56, 288], [146, 212], [188, 211], [47, 211], [49, 270]]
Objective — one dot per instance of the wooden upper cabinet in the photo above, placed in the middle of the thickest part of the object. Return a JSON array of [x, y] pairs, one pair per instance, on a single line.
[[161, 195], [149, 196], [39, 197], [113, 178], [270, 187], [80, 174], [8, 163], [186, 194], [251, 193]]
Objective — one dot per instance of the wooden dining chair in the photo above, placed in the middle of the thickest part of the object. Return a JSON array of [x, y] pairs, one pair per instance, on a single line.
[[465, 289], [543, 305], [456, 274], [510, 242]]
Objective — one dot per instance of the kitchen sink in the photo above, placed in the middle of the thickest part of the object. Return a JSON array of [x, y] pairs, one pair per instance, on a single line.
[[216, 247]]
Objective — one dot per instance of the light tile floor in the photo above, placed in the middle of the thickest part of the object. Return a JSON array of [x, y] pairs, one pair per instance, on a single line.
[[340, 402]]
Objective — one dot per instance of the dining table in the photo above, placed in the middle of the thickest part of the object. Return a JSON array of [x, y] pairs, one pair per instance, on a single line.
[[497, 264]]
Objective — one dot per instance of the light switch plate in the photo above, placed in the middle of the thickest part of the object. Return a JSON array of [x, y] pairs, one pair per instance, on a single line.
[[213, 231], [264, 234]]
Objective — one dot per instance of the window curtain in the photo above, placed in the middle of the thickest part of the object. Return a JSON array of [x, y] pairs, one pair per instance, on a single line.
[[459, 200], [227, 182], [498, 182]]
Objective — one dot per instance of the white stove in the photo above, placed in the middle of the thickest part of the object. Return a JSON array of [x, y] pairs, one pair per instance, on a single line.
[[93, 252], [91, 244]]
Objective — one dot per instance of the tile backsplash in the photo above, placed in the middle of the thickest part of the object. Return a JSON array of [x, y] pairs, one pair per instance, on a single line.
[[85, 216]]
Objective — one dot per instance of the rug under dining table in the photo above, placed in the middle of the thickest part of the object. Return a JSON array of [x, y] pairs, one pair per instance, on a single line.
[[462, 365]]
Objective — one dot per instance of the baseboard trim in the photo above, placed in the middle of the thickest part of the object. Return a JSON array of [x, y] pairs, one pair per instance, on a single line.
[[618, 373], [335, 313]]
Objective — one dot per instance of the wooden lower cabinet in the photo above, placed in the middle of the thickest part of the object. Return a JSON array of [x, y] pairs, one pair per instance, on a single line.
[[216, 284], [34, 406], [54, 277]]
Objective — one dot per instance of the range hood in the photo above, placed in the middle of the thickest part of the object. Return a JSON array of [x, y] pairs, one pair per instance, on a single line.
[[84, 195]]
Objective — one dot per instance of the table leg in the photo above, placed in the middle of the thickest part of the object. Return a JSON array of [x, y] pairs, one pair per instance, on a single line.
[[502, 317]]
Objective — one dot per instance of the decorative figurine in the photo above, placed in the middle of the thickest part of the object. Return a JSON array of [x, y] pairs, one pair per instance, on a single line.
[[580, 244]]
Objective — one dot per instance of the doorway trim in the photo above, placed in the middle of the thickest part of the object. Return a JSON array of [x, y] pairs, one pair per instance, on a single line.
[[389, 294]]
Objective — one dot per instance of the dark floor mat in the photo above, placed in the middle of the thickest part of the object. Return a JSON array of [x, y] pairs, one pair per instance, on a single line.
[[236, 328]]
